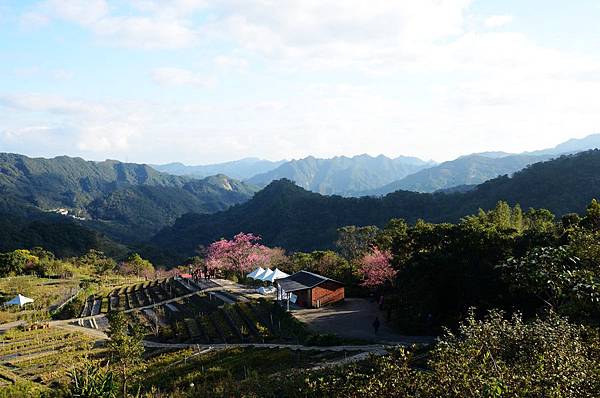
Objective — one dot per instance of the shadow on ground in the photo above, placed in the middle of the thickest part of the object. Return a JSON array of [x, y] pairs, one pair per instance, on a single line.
[[354, 319]]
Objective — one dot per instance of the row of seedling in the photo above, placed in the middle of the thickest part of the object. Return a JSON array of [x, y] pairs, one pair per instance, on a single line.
[[42, 355], [206, 319]]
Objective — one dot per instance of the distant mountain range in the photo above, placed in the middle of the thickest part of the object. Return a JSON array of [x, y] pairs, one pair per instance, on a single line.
[[239, 169], [128, 202], [466, 170], [342, 175], [571, 146], [474, 169], [288, 216], [365, 175]]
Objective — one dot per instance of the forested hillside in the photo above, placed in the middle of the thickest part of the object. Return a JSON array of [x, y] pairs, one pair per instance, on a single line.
[[23, 225], [288, 216], [128, 202]]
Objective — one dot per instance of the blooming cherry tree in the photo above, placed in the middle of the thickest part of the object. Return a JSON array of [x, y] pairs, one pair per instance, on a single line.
[[375, 268], [241, 254]]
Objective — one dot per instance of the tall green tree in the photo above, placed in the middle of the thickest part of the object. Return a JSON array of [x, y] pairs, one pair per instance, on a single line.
[[592, 216], [125, 346], [136, 265], [395, 231], [353, 242], [557, 278], [16, 262], [516, 218], [98, 260], [501, 215]]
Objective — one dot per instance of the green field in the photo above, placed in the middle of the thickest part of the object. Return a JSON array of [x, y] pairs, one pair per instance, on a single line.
[[45, 292], [43, 356]]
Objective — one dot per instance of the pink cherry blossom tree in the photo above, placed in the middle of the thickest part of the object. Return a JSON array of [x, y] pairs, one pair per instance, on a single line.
[[240, 254], [375, 268]]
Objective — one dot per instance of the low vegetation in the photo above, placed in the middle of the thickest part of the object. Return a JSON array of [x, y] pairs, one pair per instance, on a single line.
[[43, 357]]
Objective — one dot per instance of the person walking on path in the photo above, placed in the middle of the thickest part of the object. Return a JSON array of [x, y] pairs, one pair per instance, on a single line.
[[376, 324]]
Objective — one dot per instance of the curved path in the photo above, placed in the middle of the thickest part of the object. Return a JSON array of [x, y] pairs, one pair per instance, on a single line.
[[296, 347]]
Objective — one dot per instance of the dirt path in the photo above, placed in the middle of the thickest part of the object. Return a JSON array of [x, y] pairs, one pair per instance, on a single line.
[[373, 348], [7, 326]]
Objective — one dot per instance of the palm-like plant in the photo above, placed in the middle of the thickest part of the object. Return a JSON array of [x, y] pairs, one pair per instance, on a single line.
[[92, 381]]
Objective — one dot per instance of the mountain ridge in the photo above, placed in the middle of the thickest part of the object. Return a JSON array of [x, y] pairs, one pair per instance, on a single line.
[[465, 170], [291, 217], [341, 174], [127, 201], [239, 169], [477, 168]]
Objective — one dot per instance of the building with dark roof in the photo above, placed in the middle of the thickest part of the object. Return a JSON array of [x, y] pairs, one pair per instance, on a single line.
[[310, 290]]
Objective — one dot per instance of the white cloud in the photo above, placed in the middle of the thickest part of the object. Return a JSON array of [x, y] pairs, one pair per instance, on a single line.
[[38, 72], [108, 137], [170, 7], [162, 28], [88, 126], [84, 12], [231, 62], [338, 33], [144, 32], [52, 104], [497, 21], [293, 28], [181, 77]]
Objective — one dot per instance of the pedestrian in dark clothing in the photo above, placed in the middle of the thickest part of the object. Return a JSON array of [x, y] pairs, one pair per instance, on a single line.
[[381, 302], [376, 324]]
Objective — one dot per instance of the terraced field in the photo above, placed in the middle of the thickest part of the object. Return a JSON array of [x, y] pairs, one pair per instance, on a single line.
[[206, 319], [42, 356], [140, 295], [223, 373], [191, 314]]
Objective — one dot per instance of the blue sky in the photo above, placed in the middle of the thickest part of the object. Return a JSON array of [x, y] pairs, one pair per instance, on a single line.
[[202, 81]]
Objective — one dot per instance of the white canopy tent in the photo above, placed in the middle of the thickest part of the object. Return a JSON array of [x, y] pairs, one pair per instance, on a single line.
[[255, 273], [277, 274], [19, 300], [265, 275], [260, 274]]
